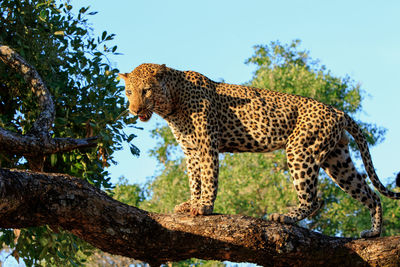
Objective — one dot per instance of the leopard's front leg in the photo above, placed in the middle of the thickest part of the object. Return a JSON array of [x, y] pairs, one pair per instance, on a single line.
[[207, 145], [209, 167], [193, 170], [203, 181]]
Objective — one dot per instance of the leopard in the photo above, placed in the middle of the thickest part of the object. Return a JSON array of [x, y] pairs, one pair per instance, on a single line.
[[208, 118]]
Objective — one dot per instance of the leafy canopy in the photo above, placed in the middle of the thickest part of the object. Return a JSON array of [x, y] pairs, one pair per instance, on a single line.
[[56, 39]]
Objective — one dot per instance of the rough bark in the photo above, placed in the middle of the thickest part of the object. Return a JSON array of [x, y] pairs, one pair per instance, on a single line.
[[37, 143], [33, 199]]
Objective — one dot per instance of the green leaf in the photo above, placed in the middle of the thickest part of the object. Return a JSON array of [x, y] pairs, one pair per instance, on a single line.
[[53, 160], [130, 137], [62, 256], [134, 150], [43, 15]]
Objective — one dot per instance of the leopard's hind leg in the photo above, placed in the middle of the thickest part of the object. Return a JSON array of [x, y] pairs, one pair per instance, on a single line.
[[309, 144], [339, 166], [305, 180], [303, 162]]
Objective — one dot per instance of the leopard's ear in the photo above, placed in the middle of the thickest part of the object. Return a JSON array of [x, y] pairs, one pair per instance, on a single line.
[[162, 69], [123, 75]]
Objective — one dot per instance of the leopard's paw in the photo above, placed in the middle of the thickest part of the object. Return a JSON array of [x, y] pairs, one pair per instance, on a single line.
[[370, 233], [281, 218], [184, 207], [201, 210]]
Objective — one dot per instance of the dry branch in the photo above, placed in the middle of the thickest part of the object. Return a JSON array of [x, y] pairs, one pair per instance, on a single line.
[[33, 199]]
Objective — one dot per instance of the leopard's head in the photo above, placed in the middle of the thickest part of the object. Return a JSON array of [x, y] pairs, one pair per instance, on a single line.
[[146, 90]]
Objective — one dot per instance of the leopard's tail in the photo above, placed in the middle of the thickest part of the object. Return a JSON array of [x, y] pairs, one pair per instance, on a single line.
[[354, 130]]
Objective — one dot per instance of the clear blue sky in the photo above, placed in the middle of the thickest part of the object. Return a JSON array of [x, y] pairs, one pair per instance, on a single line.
[[358, 38]]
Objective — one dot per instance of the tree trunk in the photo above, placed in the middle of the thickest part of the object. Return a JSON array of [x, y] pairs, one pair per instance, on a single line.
[[34, 199]]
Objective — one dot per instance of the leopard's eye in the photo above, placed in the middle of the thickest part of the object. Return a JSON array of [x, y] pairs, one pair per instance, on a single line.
[[128, 92]]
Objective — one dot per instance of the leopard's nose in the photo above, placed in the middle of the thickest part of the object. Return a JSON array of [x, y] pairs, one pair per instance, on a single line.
[[135, 111]]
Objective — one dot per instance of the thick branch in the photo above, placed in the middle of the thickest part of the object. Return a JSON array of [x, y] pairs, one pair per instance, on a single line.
[[33, 79], [33, 199]]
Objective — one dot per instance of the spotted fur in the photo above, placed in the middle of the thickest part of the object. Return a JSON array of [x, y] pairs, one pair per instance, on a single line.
[[208, 117]]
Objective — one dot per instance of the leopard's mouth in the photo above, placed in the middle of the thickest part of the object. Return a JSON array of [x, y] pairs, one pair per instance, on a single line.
[[145, 116]]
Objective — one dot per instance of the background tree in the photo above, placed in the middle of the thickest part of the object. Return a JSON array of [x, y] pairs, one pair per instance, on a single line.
[[57, 41]]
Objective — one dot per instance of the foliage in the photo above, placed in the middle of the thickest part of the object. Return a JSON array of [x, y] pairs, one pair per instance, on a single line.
[[254, 184], [131, 194], [44, 246], [167, 148], [286, 69], [168, 189], [159, 196], [56, 39]]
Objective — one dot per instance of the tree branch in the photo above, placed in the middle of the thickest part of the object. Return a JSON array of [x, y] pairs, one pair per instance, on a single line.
[[29, 145], [38, 87], [37, 143], [33, 199]]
